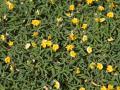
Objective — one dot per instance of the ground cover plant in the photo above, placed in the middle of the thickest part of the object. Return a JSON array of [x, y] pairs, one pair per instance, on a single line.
[[59, 44]]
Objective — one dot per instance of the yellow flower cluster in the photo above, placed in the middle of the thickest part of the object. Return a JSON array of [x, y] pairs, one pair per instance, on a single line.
[[70, 48], [99, 66], [79, 35], [99, 19], [110, 87], [10, 5], [47, 43], [3, 37]]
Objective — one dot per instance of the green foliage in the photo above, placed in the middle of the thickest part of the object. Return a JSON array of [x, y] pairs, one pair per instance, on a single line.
[[36, 67]]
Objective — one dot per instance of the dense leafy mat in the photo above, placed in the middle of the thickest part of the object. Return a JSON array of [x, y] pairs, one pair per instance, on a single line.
[[60, 44]]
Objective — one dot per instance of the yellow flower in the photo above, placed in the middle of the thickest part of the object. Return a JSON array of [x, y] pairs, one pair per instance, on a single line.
[[68, 14], [110, 87], [36, 22], [70, 47], [103, 88], [108, 0], [118, 88], [110, 39], [84, 26], [7, 59], [56, 84], [97, 19], [10, 43], [27, 45], [101, 19], [92, 65], [89, 1], [82, 88], [10, 5], [77, 71], [84, 38], [110, 14], [99, 66], [2, 37], [75, 21], [101, 8], [35, 34], [34, 44], [44, 43], [49, 43], [96, 0], [55, 47], [73, 54], [71, 7], [60, 19], [112, 5], [72, 36], [89, 49], [109, 68]]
